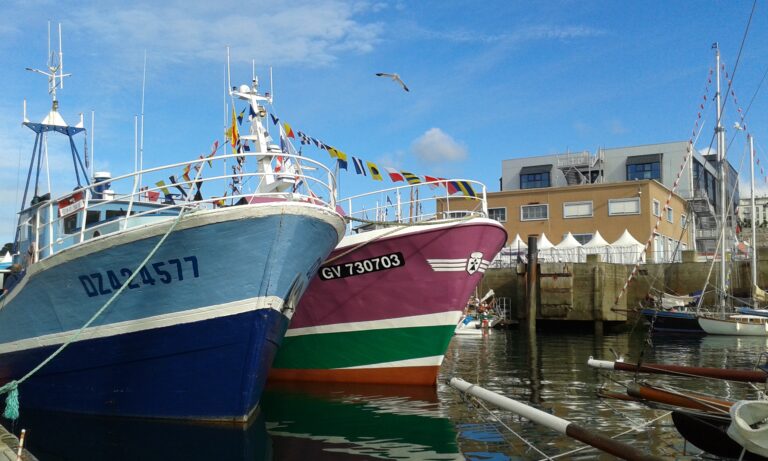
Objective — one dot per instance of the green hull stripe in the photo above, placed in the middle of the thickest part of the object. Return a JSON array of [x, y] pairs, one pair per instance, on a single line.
[[358, 348]]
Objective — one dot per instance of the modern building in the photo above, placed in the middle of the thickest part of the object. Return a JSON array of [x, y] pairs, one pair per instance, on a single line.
[[697, 180]]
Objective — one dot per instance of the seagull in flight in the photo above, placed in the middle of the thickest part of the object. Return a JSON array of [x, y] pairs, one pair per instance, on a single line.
[[395, 78]]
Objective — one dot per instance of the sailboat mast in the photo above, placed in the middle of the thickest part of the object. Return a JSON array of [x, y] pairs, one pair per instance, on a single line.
[[720, 131], [752, 214]]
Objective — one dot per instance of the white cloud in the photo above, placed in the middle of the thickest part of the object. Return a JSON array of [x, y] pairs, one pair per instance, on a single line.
[[616, 127], [436, 146], [309, 33], [522, 34]]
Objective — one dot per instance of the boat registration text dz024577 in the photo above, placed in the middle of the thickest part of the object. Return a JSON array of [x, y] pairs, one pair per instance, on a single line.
[[363, 266]]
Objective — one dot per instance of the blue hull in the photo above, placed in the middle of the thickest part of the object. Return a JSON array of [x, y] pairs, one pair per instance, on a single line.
[[192, 338], [673, 322]]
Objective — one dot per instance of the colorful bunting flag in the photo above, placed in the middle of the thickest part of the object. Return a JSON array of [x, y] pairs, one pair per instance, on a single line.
[[375, 173], [342, 163], [463, 186], [178, 186], [185, 173], [161, 185], [359, 167], [274, 119], [410, 177], [394, 175], [234, 135], [240, 117], [288, 130], [434, 184]]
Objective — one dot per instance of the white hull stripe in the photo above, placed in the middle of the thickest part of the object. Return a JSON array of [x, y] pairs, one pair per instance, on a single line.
[[148, 323], [454, 265], [434, 361], [428, 320]]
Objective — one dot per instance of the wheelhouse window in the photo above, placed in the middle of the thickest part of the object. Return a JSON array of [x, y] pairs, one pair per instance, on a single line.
[[499, 214], [623, 206], [644, 167], [577, 209], [534, 212]]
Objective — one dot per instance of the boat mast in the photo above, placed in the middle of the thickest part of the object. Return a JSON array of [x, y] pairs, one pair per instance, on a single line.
[[752, 214], [720, 132]]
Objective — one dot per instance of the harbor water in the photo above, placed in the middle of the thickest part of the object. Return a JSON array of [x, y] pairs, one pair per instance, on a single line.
[[346, 422]]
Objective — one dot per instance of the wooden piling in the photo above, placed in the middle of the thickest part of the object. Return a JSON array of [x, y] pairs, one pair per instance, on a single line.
[[531, 291]]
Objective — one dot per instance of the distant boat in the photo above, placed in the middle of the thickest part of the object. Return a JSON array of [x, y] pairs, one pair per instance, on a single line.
[[383, 308], [737, 324], [206, 288]]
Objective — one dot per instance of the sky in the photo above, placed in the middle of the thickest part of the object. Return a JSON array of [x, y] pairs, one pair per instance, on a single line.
[[488, 80]]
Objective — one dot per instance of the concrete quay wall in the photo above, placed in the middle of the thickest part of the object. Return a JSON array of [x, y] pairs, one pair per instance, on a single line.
[[588, 291]]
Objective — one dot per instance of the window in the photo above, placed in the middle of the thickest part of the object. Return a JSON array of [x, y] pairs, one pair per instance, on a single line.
[[670, 214], [623, 206], [582, 238], [656, 208], [534, 212], [683, 221], [91, 217], [534, 180], [644, 167], [644, 171], [499, 214], [577, 209], [658, 248], [456, 214], [70, 223]]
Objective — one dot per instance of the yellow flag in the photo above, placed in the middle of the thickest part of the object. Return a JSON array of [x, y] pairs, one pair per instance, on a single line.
[[375, 173]]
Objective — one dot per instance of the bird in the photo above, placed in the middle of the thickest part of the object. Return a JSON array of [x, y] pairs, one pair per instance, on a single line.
[[395, 78]]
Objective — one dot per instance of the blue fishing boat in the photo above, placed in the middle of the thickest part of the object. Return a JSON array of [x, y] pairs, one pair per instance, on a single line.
[[164, 292]]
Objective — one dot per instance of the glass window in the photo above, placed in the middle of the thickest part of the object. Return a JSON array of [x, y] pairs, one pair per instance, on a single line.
[[623, 206], [70, 223], [670, 215], [656, 208], [499, 214], [683, 220], [577, 209], [650, 170], [534, 180], [456, 214], [534, 212]]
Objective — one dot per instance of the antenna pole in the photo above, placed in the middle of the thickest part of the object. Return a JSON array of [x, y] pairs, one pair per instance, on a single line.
[[229, 80], [141, 139], [93, 151], [61, 60], [720, 132], [271, 90]]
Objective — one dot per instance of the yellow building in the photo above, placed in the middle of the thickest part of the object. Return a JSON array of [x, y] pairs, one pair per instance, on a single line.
[[608, 208]]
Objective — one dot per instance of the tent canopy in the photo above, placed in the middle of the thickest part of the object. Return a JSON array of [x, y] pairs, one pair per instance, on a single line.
[[596, 241], [568, 242]]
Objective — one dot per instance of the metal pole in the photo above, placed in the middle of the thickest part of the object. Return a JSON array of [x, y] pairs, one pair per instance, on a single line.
[[588, 436], [752, 214], [719, 131], [533, 259]]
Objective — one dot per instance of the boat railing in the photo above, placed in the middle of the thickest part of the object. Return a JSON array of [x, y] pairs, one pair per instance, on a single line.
[[431, 201], [160, 193]]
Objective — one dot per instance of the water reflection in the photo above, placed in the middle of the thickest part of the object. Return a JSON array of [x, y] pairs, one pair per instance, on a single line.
[[67, 437], [357, 422], [346, 422]]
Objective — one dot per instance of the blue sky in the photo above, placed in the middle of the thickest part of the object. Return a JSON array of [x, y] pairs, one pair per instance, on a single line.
[[489, 80]]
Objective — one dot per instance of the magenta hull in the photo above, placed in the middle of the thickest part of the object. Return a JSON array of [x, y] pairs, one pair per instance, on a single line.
[[384, 306], [414, 288]]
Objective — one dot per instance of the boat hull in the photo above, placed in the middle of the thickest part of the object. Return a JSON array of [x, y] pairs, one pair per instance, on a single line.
[[193, 335], [734, 327], [391, 325], [673, 322]]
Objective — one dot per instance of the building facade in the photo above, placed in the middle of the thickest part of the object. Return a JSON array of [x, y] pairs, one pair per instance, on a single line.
[[698, 183], [609, 208]]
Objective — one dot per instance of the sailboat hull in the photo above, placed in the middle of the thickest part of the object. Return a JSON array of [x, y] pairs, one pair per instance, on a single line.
[[736, 325]]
